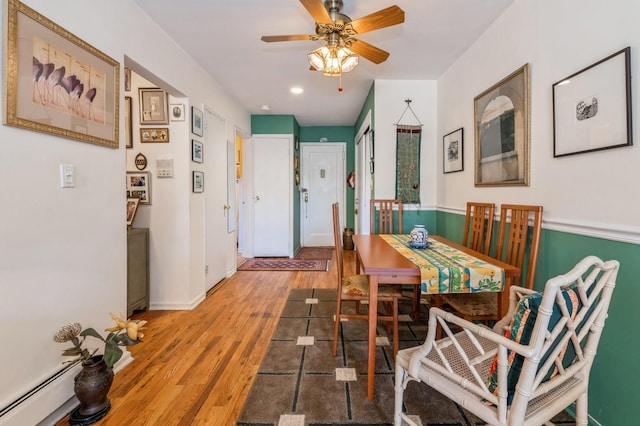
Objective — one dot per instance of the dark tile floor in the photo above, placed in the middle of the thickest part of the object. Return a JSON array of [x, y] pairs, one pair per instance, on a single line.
[[298, 380]]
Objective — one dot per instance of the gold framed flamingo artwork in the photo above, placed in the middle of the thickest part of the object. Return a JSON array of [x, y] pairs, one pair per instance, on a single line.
[[57, 83]]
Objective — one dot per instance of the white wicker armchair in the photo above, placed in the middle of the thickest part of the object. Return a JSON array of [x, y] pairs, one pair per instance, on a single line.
[[533, 364]]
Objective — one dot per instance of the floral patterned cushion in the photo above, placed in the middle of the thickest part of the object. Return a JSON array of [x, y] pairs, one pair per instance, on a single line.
[[358, 285], [520, 331], [475, 304]]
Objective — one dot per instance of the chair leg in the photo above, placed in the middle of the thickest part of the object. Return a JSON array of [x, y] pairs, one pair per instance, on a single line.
[[399, 391], [336, 327], [416, 302], [396, 336], [436, 302], [582, 415], [387, 307]]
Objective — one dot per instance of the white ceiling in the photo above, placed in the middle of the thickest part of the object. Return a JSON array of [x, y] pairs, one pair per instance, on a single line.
[[224, 37]]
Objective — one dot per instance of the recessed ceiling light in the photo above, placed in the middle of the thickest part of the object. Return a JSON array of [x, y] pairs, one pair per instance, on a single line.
[[265, 108], [297, 90]]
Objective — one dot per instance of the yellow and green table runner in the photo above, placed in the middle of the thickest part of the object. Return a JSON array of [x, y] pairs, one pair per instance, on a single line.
[[444, 269]]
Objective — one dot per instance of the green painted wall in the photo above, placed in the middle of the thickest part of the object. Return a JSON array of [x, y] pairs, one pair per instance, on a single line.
[[615, 370], [417, 217], [369, 105], [287, 124], [273, 124], [336, 134], [409, 219]]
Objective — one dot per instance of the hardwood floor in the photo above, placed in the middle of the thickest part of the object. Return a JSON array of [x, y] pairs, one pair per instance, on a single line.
[[196, 367]]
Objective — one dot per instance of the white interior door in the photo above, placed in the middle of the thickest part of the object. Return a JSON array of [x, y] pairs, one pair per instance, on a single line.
[[323, 182], [272, 196], [215, 197]]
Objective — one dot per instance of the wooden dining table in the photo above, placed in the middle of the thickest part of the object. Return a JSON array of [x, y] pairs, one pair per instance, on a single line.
[[385, 265]]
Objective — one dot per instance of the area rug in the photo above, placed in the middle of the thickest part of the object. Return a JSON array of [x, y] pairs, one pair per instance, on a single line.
[[283, 264], [315, 253], [300, 383]]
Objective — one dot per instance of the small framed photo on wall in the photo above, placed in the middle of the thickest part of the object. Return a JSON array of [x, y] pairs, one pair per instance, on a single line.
[[198, 181], [139, 186], [452, 151], [132, 208], [153, 106], [196, 151], [176, 112], [196, 121], [154, 134]]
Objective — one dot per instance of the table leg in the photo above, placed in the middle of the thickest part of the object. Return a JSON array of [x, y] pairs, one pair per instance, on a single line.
[[373, 318], [503, 298]]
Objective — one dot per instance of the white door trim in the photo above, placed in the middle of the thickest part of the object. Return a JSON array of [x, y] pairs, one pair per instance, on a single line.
[[364, 181]]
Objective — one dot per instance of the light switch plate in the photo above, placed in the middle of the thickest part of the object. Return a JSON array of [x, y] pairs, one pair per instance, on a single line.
[[67, 176]]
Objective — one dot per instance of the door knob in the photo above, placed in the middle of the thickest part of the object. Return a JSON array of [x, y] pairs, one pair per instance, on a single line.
[[227, 206]]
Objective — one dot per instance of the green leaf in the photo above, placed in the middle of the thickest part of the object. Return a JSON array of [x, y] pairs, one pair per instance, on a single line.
[[126, 341], [72, 351], [92, 332], [112, 354]]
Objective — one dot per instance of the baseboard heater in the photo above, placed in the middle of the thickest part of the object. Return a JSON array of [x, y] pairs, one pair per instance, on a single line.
[[24, 408], [50, 400]]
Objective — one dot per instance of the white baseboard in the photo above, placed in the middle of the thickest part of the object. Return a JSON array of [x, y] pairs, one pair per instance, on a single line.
[[170, 306]]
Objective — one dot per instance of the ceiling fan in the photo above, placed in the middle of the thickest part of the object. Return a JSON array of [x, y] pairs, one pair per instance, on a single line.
[[339, 31]]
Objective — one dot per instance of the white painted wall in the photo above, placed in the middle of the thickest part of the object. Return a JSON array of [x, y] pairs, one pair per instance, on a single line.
[[169, 233], [63, 251], [389, 98], [557, 39]]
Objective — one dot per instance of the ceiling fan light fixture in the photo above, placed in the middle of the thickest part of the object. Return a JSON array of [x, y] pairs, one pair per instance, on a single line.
[[332, 61]]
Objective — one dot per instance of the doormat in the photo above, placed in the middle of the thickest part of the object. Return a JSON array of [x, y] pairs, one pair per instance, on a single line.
[[314, 253], [284, 264], [299, 382]]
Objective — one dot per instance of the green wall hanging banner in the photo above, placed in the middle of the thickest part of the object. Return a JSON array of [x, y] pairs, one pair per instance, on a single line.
[[408, 163]]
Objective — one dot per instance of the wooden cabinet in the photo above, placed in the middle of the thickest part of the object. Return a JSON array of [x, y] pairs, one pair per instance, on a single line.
[[137, 269]]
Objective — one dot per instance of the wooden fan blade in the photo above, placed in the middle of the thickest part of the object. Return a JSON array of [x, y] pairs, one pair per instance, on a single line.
[[317, 10], [392, 15], [270, 39], [369, 51]]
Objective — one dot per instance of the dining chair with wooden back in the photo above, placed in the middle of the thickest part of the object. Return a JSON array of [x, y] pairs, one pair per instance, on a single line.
[[517, 223], [385, 209], [478, 226], [477, 233], [356, 288]]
